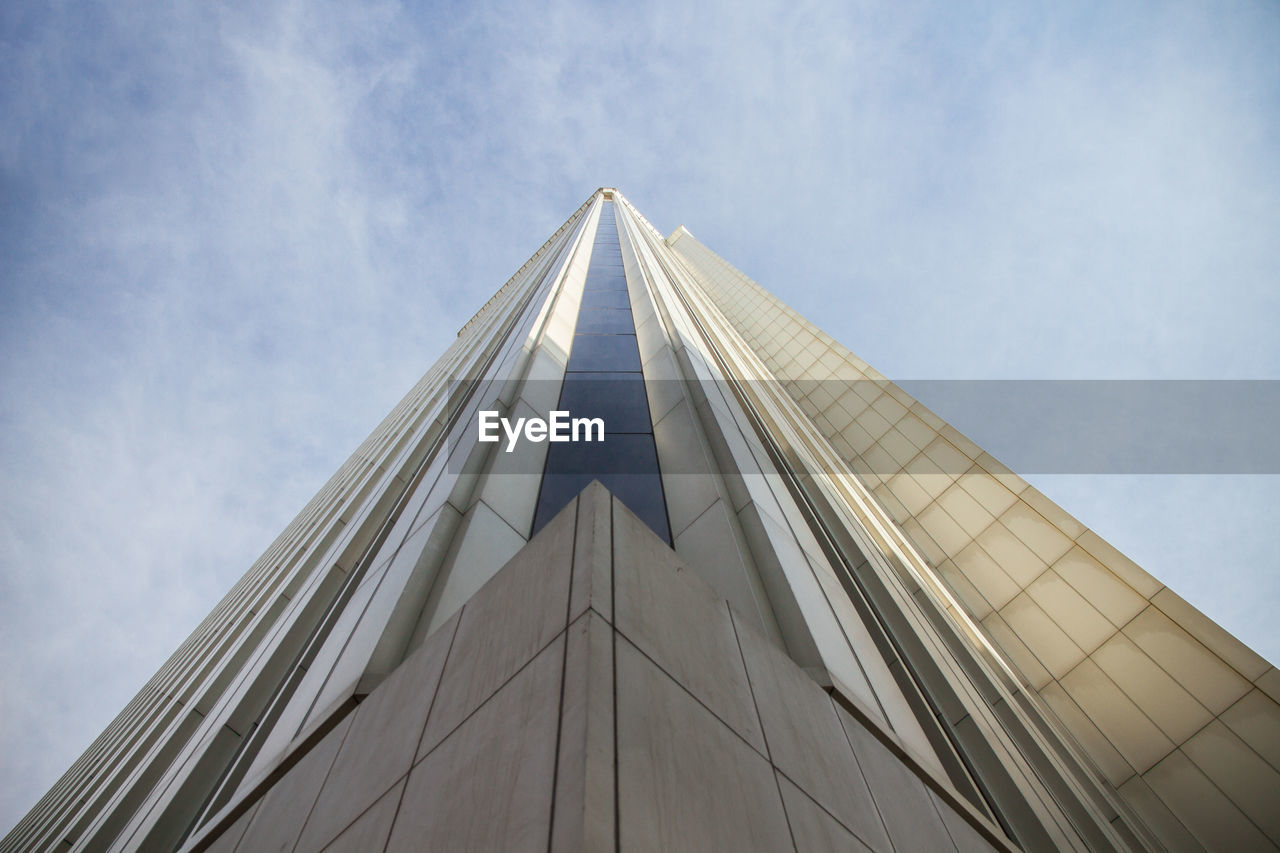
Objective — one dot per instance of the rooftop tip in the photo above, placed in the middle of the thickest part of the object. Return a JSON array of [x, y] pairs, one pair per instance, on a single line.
[[680, 231]]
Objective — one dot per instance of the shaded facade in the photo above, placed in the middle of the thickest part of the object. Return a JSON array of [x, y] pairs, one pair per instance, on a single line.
[[797, 610]]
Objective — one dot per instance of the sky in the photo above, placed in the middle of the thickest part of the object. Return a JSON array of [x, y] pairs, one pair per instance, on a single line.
[[233, 235]]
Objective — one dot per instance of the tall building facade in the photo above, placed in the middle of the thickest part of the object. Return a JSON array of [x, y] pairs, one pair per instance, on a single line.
[[777, 604]]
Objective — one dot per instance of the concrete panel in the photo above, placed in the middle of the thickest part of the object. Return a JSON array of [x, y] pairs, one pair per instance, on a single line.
[[284, 809], [686, 781], [592, 585], [384, 735], [713, 548], [679, 622], [481, 547], [687, 475], [584, 795], [662, 383], [371, 829], [805, 738], [505, 624], [904, 803], [963, 835], [511, 487], [230, 837], [487, 785], [813, 828]]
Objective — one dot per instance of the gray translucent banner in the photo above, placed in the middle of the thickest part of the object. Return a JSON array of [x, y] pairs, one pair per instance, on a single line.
[[1126, 426], [1032, 426]]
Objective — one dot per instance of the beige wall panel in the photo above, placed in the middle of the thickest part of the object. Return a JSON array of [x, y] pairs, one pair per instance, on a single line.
[[1207, 812], [987, 576], [880, 461], [974, 602], [1101, 750], [929, 475], [924, 542], [997, 469], [1082, 622], [917, 431], [1115, 599], [1055, 514], [1253, 719], [1269, 683], [892, 505], [873, 422], [1152, 689], [1018, 561], [1203, 673], [1252, 784], [908, 492], [1022, 658], [1124, 568], [987, 490], [1246, 661], [898, 446], [1049, 643], [1132, 732], [949, 458], [944, 530], [1168, 828], [857, 437], [966, 511], [1047, 541]]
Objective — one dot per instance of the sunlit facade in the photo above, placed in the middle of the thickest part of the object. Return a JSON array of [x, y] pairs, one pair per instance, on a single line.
[[797, 610]]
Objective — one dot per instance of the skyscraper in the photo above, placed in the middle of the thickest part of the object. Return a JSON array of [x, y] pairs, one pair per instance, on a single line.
[[648, 561]]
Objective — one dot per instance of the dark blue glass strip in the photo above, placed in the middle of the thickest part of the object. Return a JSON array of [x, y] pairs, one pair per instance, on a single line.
[[604, 352], [604, 380]]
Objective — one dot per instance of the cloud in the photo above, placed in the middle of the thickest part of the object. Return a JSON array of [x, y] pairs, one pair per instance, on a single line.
[[236, 234]]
